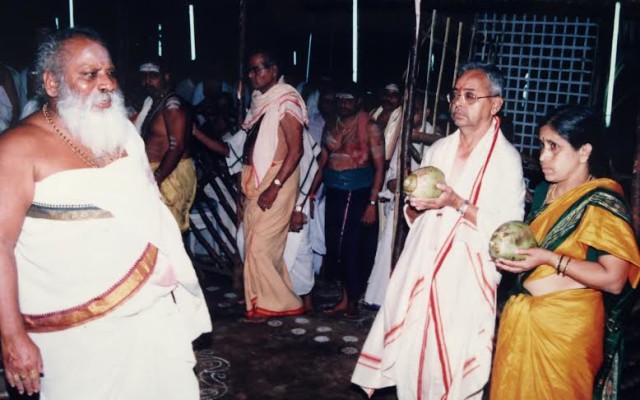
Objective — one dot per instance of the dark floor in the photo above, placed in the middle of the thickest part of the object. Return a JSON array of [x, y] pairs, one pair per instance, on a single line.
[[310, 357], [293, 358]]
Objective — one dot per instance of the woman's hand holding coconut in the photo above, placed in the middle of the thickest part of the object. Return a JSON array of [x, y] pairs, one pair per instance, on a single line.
[[533, 257]]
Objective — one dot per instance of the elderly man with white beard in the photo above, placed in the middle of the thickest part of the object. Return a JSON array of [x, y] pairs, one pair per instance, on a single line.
[[98, 299]]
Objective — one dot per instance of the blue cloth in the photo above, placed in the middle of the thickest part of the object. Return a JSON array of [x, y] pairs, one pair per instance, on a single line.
[[349, 179]]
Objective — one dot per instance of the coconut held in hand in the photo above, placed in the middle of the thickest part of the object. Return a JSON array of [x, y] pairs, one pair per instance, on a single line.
[[421, 183], [509, 238]]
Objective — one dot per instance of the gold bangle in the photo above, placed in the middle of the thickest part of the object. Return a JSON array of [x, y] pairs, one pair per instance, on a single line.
[[566, 266], [558, 264]]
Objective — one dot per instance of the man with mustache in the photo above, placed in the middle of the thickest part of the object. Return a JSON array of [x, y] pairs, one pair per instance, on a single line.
[[165, 125], [433, 336], [98, 298], [389, 116]]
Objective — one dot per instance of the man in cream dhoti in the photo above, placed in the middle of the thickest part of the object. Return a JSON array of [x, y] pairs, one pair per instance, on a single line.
[[270, 183], [98, 298], [432, 338], [298, 252], [165, 125]]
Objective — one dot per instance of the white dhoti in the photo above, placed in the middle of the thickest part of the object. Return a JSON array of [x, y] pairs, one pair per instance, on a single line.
[[298, 254], [432, 338], [106, 288]]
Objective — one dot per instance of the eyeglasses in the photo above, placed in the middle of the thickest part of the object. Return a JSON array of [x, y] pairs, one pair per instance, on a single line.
[[257, 69], [468, 98]]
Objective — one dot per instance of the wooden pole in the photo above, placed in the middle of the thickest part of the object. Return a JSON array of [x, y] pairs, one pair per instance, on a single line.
[[426, 89], [400, 227], [444, 54], [635, 181], [242, 22], [455, 67]]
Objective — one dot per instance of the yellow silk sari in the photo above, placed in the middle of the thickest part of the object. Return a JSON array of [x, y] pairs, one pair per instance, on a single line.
[[551, 346]]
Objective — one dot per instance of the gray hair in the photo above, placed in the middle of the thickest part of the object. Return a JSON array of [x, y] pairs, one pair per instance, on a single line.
[[493, 73], [49, 54]]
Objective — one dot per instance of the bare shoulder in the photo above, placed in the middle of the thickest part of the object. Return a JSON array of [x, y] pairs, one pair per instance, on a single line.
[[31, 134], [290, 123], [25, 146]]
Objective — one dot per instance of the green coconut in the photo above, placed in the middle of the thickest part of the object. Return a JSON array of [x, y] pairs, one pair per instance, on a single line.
[[509, 238], [421, 183]]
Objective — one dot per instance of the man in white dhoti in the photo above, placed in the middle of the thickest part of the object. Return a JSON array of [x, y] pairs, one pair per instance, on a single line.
[[98, 299], [298, 254], [432, 338]]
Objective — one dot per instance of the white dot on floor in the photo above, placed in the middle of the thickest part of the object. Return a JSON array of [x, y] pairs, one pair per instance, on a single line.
[[321, 339], [298, 331], [323, 329], [302, 320], [212, 288], [230, 295], [349, 351], [275, 322], [350, 339], [224, 305]]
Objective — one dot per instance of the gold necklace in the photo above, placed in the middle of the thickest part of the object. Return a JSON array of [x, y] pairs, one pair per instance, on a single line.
[[551, 193], [65, 139]]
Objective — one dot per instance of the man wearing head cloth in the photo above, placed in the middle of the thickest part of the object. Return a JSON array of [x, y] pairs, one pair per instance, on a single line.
[[352, 168], [165, 126], [98, 298], [389, 117]]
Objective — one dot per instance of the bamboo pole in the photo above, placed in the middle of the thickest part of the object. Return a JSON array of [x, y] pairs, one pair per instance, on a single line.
[[444, 54], [400, 228], [242, 21], [455, 66], [429, 55]]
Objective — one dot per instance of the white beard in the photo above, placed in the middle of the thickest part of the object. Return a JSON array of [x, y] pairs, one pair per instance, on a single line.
[[101, 131]]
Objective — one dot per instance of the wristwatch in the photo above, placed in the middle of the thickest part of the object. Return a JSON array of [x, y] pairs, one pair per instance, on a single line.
[[277, 182], [463, 208]]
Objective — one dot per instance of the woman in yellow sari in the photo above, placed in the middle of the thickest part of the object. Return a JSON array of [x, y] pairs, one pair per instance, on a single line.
[[560, 332]]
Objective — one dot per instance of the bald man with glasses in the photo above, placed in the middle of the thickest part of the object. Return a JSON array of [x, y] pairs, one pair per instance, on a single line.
[[432, 338]]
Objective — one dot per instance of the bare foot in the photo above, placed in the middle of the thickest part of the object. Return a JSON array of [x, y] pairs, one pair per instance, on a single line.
[[307, 302], [339, 308]]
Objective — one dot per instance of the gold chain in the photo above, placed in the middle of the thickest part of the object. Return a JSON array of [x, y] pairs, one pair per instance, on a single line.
[[551, 193], [81, 154]]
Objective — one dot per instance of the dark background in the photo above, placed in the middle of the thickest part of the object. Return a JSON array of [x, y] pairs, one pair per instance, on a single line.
[[386, 29]]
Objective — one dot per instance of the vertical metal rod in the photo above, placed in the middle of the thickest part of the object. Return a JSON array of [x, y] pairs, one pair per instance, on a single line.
[[635, 181], [242, 19], [400, 228], [473, 36]]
